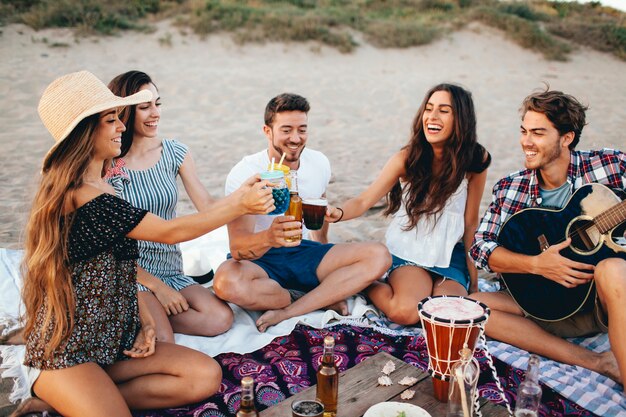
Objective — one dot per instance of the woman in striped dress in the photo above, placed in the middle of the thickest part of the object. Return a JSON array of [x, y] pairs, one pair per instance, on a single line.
[[145, 175]]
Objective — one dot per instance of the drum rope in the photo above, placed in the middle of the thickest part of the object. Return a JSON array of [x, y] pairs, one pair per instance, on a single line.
[[483, 340]]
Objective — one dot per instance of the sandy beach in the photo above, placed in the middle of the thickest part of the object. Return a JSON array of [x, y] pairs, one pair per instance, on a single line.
[[362, 104]]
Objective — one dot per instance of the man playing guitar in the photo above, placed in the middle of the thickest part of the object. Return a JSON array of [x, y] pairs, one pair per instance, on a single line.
[[551, 126]]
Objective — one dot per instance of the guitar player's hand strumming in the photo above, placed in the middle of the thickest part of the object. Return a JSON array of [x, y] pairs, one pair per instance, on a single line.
[[552, 265]]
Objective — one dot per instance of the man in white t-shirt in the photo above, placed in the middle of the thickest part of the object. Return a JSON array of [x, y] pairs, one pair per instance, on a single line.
[[264, 266]]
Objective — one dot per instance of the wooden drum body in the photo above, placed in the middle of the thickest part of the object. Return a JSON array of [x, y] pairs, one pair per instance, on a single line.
[[449, 323]]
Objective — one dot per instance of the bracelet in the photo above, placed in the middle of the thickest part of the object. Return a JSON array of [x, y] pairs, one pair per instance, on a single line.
[[340, 217]]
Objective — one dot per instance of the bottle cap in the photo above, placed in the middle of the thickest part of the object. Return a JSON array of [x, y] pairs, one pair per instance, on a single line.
[[247, 381], [329, 341]]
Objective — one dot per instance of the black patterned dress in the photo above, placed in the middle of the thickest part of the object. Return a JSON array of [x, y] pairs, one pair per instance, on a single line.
[[103, 266]]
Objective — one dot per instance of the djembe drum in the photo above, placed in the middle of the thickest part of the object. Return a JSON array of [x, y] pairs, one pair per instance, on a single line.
[[449, 323]]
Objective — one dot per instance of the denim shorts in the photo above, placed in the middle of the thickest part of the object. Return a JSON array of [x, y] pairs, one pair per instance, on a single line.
[[294, 267], [456, 271]]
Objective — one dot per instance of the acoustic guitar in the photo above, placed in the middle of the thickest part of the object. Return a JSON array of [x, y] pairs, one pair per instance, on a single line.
[[594, 218]]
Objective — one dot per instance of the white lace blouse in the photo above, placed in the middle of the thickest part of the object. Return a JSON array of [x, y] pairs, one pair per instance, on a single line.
[[429, 243]]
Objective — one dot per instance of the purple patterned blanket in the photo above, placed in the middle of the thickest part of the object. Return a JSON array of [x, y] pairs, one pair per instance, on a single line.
[[288, 365]]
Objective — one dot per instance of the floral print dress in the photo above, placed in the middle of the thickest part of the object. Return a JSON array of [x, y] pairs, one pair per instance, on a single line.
[[103, 267]]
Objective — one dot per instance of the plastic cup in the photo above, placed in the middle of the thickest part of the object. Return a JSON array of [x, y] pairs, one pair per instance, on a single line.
[[313, 212]]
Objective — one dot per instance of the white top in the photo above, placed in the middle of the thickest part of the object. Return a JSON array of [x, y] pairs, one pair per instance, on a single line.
[[313, 178], [427, 244]]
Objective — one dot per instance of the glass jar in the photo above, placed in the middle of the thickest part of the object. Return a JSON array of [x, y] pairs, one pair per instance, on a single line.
[[463, 385], [280, 191]]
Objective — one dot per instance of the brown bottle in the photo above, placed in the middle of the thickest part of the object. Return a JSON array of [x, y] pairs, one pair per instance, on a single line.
[[246, 405], [295, 204], [328, 379]]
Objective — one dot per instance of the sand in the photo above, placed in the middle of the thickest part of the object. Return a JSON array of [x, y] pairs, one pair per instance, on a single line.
[[362, 104]]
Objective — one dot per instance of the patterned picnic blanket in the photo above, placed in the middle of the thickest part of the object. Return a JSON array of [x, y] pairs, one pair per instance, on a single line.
[[288, 364]]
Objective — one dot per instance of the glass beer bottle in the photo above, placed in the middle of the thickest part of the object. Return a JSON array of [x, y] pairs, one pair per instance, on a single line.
[[328, 379], [246, 404], [295, 204], [529, 391]]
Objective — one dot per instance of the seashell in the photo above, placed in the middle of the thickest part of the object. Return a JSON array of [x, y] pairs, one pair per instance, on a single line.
[[389, 368], [385, 381], [407, 394], [408, 381]]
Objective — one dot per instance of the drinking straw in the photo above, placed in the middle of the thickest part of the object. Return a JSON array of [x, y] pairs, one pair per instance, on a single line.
[[282, 158], [272, 166]]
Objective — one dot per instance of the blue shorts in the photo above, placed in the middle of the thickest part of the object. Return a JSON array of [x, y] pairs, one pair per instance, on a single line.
[[456, 271], [294, 267]]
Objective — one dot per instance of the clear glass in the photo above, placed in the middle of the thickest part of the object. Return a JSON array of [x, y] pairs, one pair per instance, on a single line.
[[313, 212], [463, 380], [529, 391], [307, 408]]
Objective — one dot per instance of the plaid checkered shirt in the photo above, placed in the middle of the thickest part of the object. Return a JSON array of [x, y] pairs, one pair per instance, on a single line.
[[520, 190]]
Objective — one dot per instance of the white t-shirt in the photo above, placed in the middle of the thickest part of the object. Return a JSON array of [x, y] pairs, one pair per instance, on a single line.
[[313, 178]]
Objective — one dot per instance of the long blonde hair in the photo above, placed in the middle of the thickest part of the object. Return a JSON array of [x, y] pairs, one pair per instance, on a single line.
[[47, 278]]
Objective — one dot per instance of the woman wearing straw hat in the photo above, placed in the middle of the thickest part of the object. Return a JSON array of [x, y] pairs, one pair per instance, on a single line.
[[90, 345], [145, 175]]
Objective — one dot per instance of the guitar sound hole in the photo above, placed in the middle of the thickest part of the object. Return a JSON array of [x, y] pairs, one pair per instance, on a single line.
[[585, 236]]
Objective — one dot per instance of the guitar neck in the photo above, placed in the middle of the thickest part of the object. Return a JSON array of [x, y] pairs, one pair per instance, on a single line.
[[611, 217]]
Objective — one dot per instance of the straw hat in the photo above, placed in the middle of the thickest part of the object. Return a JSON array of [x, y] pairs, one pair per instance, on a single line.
[[73, 97]]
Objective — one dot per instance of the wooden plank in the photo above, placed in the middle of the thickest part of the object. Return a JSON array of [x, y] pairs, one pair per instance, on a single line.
[[359, 390], [358, 387]]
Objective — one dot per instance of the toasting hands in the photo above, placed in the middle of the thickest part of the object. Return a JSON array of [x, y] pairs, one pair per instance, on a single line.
[[284, 227], [256, 196], [333, 214]]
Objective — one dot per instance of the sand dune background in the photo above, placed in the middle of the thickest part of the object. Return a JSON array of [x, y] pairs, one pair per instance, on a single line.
[[362, 104]]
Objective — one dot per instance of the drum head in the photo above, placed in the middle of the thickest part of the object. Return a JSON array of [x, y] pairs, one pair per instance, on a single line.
[[452, 309]]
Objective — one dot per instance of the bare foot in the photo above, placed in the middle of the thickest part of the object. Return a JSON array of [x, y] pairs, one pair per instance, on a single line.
[[270, 318], [32, 405], [607, 366], [340, 307], [14, 337]]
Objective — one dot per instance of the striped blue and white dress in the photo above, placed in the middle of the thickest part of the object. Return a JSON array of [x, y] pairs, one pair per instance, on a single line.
[[155, 190]]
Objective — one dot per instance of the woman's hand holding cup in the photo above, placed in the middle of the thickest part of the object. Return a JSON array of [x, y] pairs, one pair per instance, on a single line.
[[333, 214], [257, 196]]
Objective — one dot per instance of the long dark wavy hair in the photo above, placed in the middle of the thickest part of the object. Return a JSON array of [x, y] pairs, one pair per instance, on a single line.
[[426, 190], [124, 85]]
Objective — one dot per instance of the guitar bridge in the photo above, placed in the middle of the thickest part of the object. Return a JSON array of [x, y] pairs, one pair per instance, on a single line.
[[543, 243]]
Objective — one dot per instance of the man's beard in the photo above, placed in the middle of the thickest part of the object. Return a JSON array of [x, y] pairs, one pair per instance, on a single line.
[[288, 156], [546, 160]]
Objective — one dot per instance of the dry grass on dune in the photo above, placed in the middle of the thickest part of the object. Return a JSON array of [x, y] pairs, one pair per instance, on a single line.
[[552, 28]]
